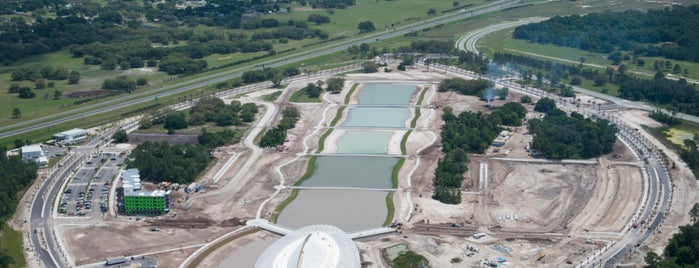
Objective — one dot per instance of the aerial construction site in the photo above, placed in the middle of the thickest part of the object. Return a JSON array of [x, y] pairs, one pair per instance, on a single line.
[[515, 209]]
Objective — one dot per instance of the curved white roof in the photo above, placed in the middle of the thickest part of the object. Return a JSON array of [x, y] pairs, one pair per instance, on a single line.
[[311, 246]]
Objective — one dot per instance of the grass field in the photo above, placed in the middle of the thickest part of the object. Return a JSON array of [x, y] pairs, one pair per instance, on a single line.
[[302, 96], [11, 240]]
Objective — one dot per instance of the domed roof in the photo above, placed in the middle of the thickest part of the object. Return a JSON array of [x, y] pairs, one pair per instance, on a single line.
[[311, 246]]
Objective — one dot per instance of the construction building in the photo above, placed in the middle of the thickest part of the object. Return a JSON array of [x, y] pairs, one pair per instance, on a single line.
[[34, 153], [70, 136], [501, 139], [137, 201]]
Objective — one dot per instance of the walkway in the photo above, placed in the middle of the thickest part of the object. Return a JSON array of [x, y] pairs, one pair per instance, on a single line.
[[360, 155], [272, 227], [340, 188]]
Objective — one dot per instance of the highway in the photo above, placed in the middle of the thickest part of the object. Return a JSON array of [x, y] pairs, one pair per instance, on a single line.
[[146, 96]]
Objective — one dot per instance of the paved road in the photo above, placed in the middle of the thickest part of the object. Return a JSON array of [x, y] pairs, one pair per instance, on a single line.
[[42, 208], [147, 96], [468, 43]]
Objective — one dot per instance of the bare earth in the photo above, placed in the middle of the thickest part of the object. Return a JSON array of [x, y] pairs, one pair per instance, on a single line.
[[530, 206]]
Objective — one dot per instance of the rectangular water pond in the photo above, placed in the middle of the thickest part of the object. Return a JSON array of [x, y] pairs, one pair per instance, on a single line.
[[352, 171], [386, 94], [377, 117], [364, 142], [350, 211]]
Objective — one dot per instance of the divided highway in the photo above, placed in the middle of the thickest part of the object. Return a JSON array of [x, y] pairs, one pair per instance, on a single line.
[[141, 97]]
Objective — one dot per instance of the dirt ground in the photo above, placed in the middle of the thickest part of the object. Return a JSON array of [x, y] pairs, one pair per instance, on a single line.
[[531, 207]]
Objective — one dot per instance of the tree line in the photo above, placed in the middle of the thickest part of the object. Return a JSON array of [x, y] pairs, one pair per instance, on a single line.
[[675, 95], [206, 110], [666, 32], [559, 136], [15, 177], [277, 135], [160, 161]]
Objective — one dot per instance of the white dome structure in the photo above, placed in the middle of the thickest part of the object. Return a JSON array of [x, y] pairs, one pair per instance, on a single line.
[[311, 246]]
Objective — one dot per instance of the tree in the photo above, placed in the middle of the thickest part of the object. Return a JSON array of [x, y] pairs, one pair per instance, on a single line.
[[366, 26], [544, 105], [312, 90], [40, 83], [677, 69], [14, 88], [175, 120], [582, 61], [73, 78], [16, 113], [120, 136], [525, 99], [335, 84], [370, 67], [575, 80], [57, 95], [431, 11], [659, 75], [141, 81], [622, 68], [26, 93], [600, 80]]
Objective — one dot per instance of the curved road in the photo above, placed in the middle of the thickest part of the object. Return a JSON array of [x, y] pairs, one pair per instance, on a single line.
[[656, 169], [468, 43]]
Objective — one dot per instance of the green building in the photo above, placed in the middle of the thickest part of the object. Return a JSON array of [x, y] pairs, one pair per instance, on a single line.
[[141, 202]]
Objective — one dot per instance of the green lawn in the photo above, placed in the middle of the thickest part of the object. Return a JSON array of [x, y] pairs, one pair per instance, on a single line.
[[302, 96], [12, 241]]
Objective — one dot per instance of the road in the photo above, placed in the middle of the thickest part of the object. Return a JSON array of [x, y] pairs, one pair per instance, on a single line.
[[655, 208], [42, 207], [146, 96], [468, 43]]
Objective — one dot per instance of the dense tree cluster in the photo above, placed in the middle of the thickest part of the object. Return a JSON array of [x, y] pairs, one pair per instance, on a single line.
[[178, 64], [46, 72], [211, 109], [667, 33], [121, 83], [366, 26], [664, 118], [161, 161], [109, 33], [679, 94], [468, 133], [559, 136], [15, 177], [313, 90], [335, 84], [120, 136], [681, 249], [510, 114], [277, 135], [432, 46], [218, 139], [341, 4], [318, 19], [690, 154], [465, 87]]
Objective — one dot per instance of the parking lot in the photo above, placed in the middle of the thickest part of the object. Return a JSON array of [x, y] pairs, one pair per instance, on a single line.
[[87, 193]]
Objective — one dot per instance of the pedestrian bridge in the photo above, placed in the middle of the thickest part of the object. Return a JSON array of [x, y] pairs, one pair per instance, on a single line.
[[340, 188], [361, 155], [283, 230]]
